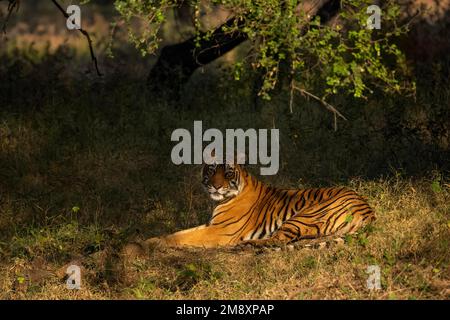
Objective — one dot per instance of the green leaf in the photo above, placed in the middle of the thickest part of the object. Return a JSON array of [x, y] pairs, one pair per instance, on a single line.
[[75, 209], [436, 186], [20, 279], [363, 240]]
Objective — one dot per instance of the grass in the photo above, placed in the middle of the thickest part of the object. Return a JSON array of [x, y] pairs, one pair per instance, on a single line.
[[409, 242], [77, 187], [85, 168]]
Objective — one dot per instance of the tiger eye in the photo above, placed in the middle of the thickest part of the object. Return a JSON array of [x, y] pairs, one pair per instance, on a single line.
[[229, 175]]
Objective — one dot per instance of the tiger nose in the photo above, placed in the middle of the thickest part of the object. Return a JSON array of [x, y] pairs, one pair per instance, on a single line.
[[217, 185]]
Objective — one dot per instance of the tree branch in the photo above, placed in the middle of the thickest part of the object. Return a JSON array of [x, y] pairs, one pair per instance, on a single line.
[[177, 62], [322, 101], [310, 8], [84, 32], [11, 5]]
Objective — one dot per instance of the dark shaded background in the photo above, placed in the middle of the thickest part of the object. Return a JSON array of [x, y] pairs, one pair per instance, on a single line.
[[72, 139]]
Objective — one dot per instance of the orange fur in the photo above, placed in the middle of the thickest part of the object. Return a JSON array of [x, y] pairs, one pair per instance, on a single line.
[[262, 215]]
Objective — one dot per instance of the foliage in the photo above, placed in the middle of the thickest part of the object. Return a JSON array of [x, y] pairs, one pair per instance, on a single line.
[[343, 56]]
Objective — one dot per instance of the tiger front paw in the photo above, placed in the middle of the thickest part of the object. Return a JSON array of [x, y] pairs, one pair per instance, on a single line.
[[154, 243], [141, 249]]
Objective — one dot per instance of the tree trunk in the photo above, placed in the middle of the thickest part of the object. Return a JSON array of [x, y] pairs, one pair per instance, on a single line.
[[178, 62]]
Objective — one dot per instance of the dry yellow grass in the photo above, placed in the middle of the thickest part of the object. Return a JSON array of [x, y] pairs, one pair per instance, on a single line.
[[409, 241]]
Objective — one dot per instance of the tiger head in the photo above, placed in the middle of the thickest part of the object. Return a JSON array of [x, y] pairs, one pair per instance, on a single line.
[[222, 181]]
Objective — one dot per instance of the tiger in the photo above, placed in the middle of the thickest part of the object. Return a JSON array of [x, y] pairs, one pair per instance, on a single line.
[[250, 212]]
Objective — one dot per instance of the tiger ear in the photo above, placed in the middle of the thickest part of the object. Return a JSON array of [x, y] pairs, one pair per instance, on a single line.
[[209, 156], [239, 160]]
